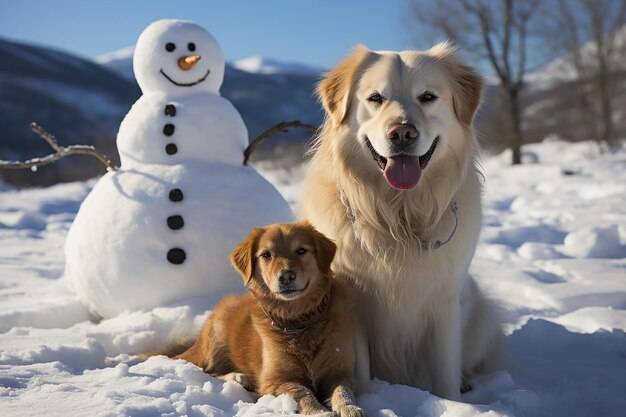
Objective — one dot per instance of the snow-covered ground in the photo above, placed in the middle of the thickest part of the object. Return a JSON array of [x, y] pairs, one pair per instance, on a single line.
[[552, 252]]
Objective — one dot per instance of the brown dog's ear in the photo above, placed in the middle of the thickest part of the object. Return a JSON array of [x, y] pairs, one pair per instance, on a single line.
[[335, 89], [467, 84], [324, 248], [242, 257]]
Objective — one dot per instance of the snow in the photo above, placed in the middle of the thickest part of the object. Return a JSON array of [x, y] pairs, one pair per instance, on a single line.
[[552, 253], [264, 65], [562, 69], [120, 61]]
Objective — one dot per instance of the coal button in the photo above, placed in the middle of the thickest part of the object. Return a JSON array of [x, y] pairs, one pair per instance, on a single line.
[[170, 110], [176, 195], [175, 222], [168, 129], [171, 148], [176, 256]]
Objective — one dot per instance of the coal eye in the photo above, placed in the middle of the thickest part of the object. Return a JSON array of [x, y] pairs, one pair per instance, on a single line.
[[169, 47], [266, 255], [427, 97], [301, 251], [376, 98], [191, 46]]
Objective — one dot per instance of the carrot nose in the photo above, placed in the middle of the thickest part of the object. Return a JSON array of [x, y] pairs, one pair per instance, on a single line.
[[186, 63]]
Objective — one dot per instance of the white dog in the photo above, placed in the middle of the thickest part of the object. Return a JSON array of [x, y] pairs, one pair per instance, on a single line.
[[393, 181]]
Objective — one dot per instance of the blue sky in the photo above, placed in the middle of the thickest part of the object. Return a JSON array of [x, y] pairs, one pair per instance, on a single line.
[[317, 32]]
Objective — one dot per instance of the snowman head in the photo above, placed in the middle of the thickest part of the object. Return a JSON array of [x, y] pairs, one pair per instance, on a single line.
[[174, 56]]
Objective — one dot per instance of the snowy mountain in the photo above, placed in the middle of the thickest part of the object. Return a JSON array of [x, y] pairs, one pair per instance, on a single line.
[[562, 69], [553, 104], [121, 61], [264, 65], [552, 253], [282, 90], [82, 101], [76, 99]]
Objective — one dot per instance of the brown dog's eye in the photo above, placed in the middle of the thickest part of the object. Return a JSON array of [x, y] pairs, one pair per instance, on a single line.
[[301, 251], [376, 98], [266, 255], [427, 97]]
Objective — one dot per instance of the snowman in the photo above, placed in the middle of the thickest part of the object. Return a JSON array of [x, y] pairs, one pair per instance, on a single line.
[[159, 230]]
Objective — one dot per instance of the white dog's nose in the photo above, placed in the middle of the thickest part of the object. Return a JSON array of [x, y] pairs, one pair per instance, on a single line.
[[403, 134]]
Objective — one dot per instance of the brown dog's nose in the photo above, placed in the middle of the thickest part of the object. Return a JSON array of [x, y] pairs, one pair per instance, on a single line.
[[286, 277], [403, 134]]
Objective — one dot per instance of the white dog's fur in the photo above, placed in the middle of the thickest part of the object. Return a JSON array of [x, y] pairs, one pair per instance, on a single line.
[[424, 321]]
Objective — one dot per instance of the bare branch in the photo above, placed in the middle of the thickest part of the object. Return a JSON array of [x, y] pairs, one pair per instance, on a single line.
[[281, 127], [60, 152]]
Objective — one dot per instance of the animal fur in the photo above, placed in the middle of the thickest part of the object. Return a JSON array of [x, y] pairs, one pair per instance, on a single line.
[[297, 342], [423, 320]]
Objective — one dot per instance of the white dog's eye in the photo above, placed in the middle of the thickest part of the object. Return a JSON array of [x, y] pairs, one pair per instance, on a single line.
[[427, 97], [375, 97]]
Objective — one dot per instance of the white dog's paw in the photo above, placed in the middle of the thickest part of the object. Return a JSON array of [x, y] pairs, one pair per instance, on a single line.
[[351, 411]]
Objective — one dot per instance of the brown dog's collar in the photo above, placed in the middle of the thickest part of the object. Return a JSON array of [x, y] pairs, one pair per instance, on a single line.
[[300, 324]]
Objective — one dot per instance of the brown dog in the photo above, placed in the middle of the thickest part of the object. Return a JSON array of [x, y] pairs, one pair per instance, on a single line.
[[292, 334]]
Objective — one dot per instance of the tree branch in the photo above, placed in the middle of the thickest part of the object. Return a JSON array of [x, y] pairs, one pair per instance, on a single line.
[[60, 152], [482, 14], [506, 41], [281, 127]]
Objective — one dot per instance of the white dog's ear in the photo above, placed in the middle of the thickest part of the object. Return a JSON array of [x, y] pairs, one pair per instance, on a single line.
[[467, 84], [335, 89], [469, 92]]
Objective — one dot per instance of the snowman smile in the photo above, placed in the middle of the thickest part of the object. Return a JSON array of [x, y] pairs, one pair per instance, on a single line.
[[198, 81]]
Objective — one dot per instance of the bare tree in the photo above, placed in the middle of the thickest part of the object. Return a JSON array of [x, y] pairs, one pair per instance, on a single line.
[[592, 34], [497, 31]]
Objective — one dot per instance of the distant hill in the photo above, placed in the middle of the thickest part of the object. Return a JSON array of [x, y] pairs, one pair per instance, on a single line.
[[265, 90], [264, 65], [77, 99], [553, 104], [121, 61], [82, 101], [562, 69]]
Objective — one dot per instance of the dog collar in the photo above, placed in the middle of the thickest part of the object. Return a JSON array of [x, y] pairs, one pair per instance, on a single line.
[[300, 324], [426, 245]]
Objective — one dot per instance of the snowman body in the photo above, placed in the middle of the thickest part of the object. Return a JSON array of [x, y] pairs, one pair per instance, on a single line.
[[160, 229]]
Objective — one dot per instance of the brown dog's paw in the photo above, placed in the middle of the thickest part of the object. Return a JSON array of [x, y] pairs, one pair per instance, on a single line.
[[351, 411], [241, 379]]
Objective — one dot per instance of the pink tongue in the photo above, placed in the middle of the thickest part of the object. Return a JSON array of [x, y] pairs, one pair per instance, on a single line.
[[402, 172]]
